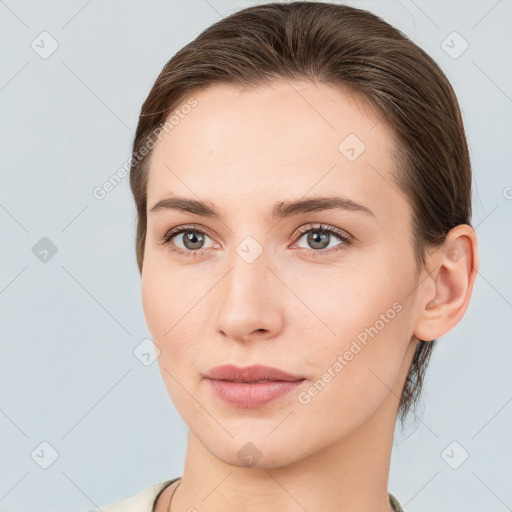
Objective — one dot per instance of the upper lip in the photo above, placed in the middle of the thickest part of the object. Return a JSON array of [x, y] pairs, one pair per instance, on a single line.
[[253, 373]]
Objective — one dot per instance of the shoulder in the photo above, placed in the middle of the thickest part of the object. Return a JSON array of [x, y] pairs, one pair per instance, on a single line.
[[142, 501]]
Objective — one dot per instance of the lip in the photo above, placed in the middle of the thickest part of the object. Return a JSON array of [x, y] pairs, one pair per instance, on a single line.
[[252, 386], [253, 373]]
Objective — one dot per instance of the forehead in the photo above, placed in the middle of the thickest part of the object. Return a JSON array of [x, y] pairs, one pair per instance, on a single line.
[[287, 138]]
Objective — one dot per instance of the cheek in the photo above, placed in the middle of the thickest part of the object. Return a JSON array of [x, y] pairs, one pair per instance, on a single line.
[[172, 321], [356, 374], [174, 309], [162, 308], [363, 328], [167, 298], [341, 304]]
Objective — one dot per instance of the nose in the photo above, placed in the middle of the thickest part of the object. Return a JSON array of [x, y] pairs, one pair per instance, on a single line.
[[250, 301]]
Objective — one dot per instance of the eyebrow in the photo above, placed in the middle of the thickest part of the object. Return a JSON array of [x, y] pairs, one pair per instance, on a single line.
[[281, 209]]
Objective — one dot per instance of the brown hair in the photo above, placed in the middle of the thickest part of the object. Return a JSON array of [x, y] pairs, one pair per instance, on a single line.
[[344, 47]]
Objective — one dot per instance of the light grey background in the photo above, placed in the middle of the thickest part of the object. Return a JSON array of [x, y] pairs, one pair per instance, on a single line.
[[69, 326]]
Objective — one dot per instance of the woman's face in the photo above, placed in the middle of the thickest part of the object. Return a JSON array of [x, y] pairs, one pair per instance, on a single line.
[[261, 284]]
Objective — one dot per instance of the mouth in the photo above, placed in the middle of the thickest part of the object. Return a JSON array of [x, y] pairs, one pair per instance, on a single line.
[[251, 374], [253, 381], [253, 386]]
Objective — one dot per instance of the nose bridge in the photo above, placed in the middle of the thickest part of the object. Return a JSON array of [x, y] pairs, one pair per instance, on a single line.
[[249, 277], [249, 294]]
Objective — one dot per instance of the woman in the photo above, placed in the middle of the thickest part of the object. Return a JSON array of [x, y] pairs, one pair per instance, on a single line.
[[303, 189]]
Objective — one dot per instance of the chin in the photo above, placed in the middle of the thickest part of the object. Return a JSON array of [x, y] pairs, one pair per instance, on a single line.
[[255, 451]]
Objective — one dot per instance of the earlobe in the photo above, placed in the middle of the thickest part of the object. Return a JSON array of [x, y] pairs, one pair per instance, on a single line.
[[445, 294]]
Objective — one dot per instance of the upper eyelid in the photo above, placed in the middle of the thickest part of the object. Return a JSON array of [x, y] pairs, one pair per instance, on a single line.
[[178, 230], [331, 229]]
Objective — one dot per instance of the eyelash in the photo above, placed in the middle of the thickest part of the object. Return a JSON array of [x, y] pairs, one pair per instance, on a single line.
[[344, 238]]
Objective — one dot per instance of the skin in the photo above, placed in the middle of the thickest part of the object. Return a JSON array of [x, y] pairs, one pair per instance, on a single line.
[[242, 151]]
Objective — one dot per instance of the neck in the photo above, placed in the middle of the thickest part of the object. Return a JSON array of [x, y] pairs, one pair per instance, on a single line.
[[350, 475]]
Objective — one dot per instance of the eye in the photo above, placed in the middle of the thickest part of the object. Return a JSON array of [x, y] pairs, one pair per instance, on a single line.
[[186, 240], [321, 237]]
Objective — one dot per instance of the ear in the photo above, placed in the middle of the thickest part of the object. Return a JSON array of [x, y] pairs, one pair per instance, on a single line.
[[445, 293]]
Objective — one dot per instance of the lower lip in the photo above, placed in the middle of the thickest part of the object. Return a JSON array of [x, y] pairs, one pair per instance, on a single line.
[[252, 394]]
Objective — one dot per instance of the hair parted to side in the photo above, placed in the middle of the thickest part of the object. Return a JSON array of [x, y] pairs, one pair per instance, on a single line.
[[348, 48]]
